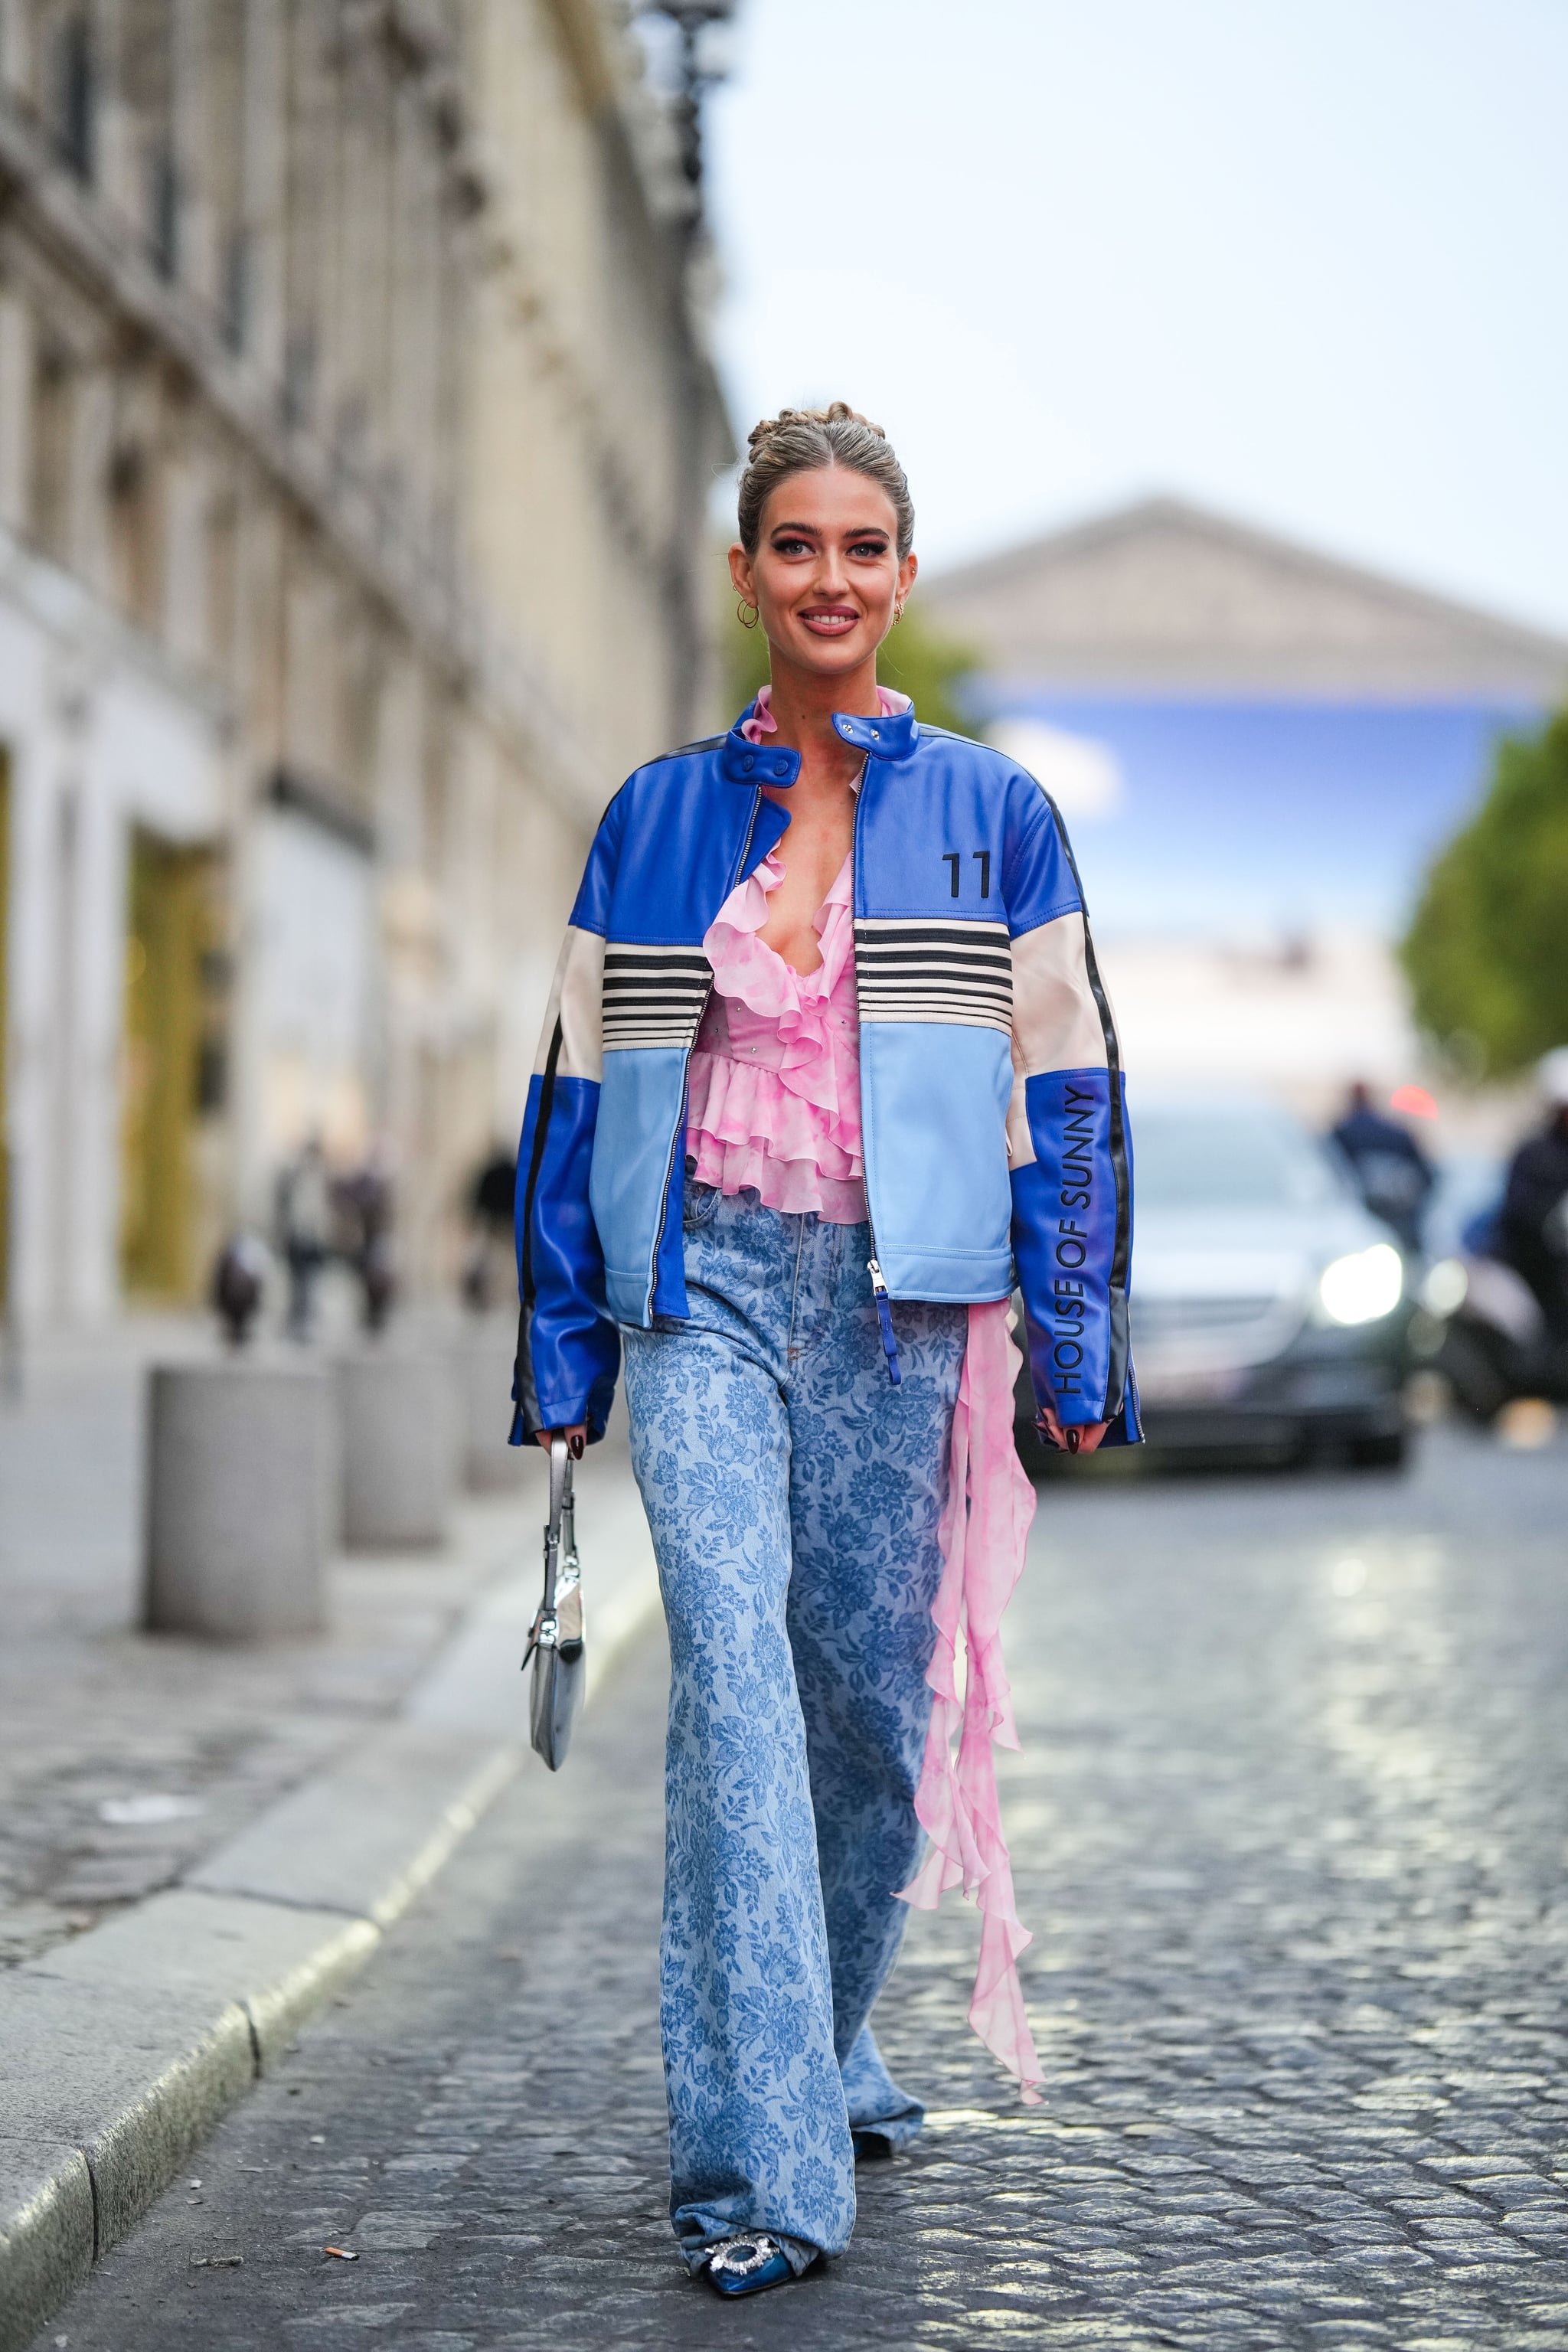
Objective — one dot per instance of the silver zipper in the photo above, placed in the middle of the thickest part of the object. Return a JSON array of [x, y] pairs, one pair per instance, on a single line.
[[884, 1315], [878, 1281]]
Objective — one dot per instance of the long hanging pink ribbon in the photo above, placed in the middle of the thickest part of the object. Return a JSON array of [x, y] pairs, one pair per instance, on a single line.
[[984, 1531]]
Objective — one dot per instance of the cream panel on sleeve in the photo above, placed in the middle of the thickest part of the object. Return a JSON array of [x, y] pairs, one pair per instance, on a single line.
[[1055, 1021], [576, 997]]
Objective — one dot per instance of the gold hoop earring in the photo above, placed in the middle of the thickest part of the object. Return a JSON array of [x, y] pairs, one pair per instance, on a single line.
[[741, 609], [897, 614]]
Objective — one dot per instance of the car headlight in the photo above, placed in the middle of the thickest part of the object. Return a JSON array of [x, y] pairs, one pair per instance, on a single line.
[[1360, 1287], [1445, 1288]]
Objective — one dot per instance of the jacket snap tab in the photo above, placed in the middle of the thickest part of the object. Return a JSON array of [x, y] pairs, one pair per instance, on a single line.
[[749, 763], [780, 767], [875, 734]]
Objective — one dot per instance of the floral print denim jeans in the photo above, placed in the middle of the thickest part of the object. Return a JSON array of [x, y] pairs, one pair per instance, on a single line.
[[793, 1495]]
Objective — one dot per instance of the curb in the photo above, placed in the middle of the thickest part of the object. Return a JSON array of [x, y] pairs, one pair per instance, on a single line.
[[124, 2048]]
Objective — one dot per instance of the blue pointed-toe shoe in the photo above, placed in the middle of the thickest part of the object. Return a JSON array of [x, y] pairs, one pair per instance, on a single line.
[[747, 2264]]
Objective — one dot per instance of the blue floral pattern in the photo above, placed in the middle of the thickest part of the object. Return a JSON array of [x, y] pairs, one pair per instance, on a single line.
[[793, 1495]]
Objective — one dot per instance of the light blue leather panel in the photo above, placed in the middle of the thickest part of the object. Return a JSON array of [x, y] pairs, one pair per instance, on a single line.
[[641, 1099], [934, 1108]]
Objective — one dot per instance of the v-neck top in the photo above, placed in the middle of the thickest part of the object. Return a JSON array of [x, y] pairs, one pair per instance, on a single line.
[[774, 1099]]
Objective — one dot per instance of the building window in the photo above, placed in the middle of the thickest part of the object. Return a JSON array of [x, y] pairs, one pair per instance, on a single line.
[[135, 532], [53, 386], [299, 378], [234, 291], [75, 97], [164, 213], [222, 168], [221, 584]]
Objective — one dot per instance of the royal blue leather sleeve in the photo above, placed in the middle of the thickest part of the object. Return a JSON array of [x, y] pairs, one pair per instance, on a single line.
[[1038, 876], [1072, 1199], [1072, 1238], [569, 1351], [591, 910]]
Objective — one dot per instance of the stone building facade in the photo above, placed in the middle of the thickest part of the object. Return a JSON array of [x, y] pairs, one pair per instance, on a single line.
[[355, 425]]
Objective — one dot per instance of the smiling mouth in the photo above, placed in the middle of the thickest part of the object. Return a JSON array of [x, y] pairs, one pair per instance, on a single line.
[[832, 622]]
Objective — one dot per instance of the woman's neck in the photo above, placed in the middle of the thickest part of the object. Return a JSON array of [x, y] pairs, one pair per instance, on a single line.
[[803, 704]]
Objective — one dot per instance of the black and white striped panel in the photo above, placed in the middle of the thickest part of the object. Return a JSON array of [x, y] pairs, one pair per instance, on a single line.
[[653, 996], [915, 971]]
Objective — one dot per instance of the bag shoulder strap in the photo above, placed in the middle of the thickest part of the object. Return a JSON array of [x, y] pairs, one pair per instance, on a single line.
[[559, 1503]]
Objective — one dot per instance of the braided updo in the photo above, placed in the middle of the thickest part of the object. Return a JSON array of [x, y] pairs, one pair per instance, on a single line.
[[802, 440]]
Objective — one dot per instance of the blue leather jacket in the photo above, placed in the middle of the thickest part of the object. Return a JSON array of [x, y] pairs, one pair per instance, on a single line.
[[996, 1145]]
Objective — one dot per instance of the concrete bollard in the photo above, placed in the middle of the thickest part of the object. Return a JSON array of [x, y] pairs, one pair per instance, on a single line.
[[241, 1487], [397, 1448], [483, 1357]]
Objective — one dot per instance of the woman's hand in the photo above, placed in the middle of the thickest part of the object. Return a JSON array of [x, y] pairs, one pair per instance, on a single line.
[[576, 1438], [1083, 1438]]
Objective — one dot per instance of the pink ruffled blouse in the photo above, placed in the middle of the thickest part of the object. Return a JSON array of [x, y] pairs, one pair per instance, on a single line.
[[774, 1099], [775, 1105]]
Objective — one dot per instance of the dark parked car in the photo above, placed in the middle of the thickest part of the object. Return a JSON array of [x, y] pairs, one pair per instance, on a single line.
[[1269, 1315]]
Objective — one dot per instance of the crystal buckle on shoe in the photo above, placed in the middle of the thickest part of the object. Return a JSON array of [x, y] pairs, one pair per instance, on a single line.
[[729, 2262]]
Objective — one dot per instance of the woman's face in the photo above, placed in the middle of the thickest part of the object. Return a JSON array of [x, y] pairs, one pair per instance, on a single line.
[[826, 578]]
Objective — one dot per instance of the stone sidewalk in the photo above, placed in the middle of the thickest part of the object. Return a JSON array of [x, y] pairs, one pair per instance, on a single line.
[[125, 1758], [198, 1841]]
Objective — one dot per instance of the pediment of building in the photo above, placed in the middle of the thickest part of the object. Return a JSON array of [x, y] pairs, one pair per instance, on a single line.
[[1166, 596]]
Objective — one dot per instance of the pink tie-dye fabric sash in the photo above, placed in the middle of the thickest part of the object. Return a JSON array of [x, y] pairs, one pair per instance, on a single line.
[[983, 1533]]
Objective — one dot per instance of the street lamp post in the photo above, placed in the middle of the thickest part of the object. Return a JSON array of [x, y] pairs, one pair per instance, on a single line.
[[696, 22]]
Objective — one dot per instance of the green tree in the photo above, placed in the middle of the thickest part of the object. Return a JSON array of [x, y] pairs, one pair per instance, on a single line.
[[1487, 950], [917, 660]]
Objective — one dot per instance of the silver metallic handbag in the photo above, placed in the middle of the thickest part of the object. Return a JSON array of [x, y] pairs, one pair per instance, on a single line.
[[556, 1644]]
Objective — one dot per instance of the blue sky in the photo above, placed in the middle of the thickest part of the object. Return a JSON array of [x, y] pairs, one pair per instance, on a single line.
[[1300, 259]]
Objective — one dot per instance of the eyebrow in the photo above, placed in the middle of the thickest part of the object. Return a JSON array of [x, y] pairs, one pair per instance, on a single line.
[[814, 531]]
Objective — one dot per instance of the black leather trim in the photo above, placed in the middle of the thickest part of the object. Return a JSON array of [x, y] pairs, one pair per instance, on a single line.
[[685, 750], [524, 1394]]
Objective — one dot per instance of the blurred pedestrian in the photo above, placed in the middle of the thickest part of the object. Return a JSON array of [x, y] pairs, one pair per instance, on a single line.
[[1533, 1223], [239, 1285], [491, 1206], [304, 1230], [1392, 1173], [821, 1422], [364, 1204]]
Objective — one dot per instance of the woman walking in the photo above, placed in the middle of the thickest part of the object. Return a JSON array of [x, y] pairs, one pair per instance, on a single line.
[[827, 1070]]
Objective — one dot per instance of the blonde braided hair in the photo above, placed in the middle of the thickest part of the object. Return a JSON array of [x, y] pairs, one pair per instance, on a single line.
[[801, 441]]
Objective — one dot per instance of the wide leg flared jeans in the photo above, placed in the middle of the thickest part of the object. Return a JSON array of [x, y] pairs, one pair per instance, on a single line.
[[793, 1494]]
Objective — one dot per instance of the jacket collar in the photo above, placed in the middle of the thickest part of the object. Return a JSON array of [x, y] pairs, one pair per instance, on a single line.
[[893, 735]]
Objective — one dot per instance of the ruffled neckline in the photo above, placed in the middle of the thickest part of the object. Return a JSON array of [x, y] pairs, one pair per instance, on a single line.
[[803, 1025], [745, 966]]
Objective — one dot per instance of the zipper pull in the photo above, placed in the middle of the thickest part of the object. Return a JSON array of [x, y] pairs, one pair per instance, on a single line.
[[884, 1318]]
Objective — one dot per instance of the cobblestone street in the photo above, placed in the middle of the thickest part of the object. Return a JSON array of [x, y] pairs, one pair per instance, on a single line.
[[1289, 1827]]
